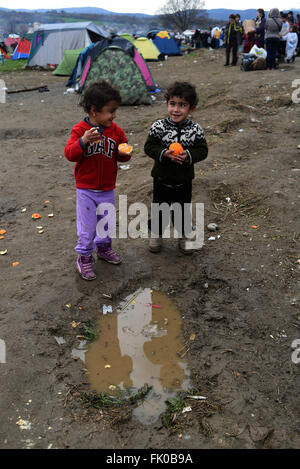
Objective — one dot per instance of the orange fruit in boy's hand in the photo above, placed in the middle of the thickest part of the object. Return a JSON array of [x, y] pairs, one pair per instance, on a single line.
[[176, 147], [125, 148]]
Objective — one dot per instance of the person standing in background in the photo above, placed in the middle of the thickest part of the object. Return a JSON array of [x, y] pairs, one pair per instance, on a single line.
[[272, 36], [260, 28], [285, 29], [233, 37]]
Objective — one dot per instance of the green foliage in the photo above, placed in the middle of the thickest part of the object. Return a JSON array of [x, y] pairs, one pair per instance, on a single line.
[[89, 331], [174, 405], [12, 65], [102, 400]]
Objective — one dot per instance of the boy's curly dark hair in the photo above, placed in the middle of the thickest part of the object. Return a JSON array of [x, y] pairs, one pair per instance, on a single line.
[[98, 94], [183, 89]]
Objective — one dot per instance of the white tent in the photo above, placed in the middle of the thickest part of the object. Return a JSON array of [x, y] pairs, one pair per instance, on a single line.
[[50, 41]]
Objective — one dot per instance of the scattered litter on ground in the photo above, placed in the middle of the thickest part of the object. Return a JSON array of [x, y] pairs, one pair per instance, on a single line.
[[24, 424], [74, 324], [107, 309], [105, 295], [60, 340], [212, 227], [186, 409], [200, 398], [124, 166]]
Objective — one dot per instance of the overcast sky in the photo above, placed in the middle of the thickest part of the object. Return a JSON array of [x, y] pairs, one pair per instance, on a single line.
[[151, 7]]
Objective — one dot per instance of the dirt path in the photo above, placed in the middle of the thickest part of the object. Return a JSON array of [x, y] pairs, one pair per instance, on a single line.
[[239, 295]]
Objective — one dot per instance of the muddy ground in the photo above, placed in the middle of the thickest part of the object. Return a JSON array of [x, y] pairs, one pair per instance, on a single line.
[[238, 294]]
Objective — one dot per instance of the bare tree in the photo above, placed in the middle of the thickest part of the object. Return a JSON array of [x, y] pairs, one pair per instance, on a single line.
[[181, 14]]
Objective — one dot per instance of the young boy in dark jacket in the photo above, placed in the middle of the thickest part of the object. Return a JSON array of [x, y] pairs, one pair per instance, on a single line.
[[173, 173]]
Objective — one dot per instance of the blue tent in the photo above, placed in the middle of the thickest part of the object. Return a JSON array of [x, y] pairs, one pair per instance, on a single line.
[[166, 44]]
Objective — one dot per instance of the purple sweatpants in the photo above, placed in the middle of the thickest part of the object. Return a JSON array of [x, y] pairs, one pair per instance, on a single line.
[[86, 206]]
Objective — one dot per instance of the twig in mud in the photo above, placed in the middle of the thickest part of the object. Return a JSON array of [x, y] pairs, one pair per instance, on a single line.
[[133, 298], [183, 355]]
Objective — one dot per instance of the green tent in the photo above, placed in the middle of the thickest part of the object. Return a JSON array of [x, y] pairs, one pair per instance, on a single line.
[[128, 37], [68, 62], [118, 68]]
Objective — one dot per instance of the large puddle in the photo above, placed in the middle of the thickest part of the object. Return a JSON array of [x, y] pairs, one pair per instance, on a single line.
[[139, 344]]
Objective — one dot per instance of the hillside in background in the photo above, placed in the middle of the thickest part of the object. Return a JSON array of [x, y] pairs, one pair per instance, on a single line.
[[19, 21]]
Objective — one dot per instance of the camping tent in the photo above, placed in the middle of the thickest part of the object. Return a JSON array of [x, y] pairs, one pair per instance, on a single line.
[[166, 44], [94, 50], [50, 41], [68, 63], [151, 34], [127, 36], [117, 61], [114, 65], [12, 42], [146, 48], [22, 50], [2, 52]]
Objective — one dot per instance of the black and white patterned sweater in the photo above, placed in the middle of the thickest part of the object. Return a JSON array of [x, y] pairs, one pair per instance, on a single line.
[[190, 135]]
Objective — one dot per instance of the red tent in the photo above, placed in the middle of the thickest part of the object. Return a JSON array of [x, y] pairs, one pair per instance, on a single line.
[[22, 50], [5, 55], [10, 41]]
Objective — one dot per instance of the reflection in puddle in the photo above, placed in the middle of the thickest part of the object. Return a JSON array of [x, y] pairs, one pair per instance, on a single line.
[[139, 345]]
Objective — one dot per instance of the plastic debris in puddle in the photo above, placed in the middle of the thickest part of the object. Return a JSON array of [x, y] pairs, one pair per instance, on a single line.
[[139, 344], [80, 350]]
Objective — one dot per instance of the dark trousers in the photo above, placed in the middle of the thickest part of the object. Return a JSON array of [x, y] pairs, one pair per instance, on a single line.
[[272, 45], [282, 48], [180, 194], [234, 47]]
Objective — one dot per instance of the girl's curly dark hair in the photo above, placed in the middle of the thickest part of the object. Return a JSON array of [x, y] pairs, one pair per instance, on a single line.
[[98, 94]]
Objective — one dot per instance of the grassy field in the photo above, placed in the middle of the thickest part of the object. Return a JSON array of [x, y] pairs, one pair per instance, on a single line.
[[12, 65]]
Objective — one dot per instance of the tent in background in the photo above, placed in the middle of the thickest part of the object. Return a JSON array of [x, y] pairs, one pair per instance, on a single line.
[[166, 44], [2, 51], [50, 41], [117, 61], [22, 50], [151, 34], [113, 64], [117, 41], [128, 37], [146, 48], [68, 63]]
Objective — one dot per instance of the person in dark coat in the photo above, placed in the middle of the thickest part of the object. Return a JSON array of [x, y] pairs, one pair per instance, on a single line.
[[233, 37], [260, 28]]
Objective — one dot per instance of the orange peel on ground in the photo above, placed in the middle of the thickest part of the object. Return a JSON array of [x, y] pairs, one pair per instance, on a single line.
[[2, 232], [125, 148], [36, 216]]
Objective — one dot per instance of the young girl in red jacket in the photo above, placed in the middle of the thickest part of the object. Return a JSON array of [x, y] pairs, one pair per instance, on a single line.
[[93, 146]]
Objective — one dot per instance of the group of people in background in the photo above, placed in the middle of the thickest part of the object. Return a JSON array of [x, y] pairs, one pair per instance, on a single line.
[[278, 34]]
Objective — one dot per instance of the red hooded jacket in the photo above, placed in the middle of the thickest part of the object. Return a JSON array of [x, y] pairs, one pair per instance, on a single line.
[[96, 163]]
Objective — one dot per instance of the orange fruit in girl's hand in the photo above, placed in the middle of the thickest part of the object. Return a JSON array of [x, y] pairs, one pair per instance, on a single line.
[[176, 147], [125, 148]]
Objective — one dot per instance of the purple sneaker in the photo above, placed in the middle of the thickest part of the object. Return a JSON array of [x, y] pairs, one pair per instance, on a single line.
[[107, 254], [85, 267]]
